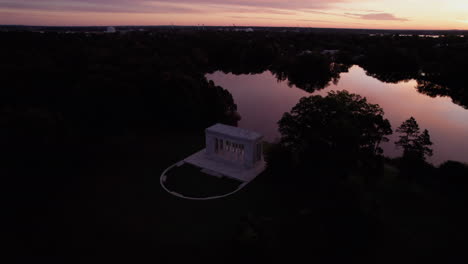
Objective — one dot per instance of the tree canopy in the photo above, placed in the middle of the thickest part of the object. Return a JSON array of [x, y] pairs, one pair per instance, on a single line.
[[414, 143], [340, 127]]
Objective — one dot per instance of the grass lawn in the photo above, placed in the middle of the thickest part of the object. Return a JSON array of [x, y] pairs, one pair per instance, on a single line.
[[189, 181], [121, 205], [116, 206]]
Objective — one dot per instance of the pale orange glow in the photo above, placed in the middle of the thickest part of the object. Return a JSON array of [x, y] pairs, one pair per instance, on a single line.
[[382, 14]]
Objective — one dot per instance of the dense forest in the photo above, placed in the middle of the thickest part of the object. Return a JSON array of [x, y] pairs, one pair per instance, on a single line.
[[89, 121]]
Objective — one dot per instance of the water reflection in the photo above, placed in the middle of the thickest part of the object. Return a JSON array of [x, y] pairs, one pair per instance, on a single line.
[[262, 100]]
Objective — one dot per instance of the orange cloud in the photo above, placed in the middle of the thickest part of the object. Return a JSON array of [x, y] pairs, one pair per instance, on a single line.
[[384, 14], [377, 16]]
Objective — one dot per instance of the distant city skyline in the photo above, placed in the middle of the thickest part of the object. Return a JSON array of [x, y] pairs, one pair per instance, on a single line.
[[377, 14]]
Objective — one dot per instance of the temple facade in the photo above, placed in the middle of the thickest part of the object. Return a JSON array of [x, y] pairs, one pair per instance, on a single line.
[[234, 145], [231, 152]]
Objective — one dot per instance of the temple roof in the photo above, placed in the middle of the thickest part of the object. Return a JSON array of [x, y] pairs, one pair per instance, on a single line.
[[234, 132]]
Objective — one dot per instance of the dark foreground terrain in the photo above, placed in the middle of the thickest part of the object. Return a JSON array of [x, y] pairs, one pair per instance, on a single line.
[[89, 121]]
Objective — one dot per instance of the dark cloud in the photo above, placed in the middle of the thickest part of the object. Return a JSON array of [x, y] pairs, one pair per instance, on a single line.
[[280, 4], [373, 11], [376, 16], [167, 6], [125, 6], [204, 7], [283, 19]]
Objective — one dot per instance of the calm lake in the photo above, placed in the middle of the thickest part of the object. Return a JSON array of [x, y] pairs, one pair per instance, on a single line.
[[262, 100]]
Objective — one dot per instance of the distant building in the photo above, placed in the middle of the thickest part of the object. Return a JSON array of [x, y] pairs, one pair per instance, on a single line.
[[244, 29], [111, 30], [305, 52], [330, 52]]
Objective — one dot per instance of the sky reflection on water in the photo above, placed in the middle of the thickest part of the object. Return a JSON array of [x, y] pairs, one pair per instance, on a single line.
[[262, 100]]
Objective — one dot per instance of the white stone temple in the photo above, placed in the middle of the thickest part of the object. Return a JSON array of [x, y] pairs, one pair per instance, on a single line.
[[111, 30], [232, 152]]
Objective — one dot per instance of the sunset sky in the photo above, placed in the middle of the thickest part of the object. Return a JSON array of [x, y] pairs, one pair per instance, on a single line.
[[383, 14]]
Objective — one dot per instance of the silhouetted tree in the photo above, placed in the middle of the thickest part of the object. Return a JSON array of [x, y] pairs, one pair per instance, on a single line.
[[414, 143], [310, 72], [340, 128], [454, 177]]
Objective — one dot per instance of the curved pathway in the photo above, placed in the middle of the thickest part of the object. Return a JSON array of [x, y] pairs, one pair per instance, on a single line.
[[163, 178]]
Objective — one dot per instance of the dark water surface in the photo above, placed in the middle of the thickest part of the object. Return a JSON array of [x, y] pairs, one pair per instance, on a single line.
[[262, 100]]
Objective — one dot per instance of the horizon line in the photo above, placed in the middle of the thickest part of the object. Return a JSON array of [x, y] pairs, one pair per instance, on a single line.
[[233, 26]]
